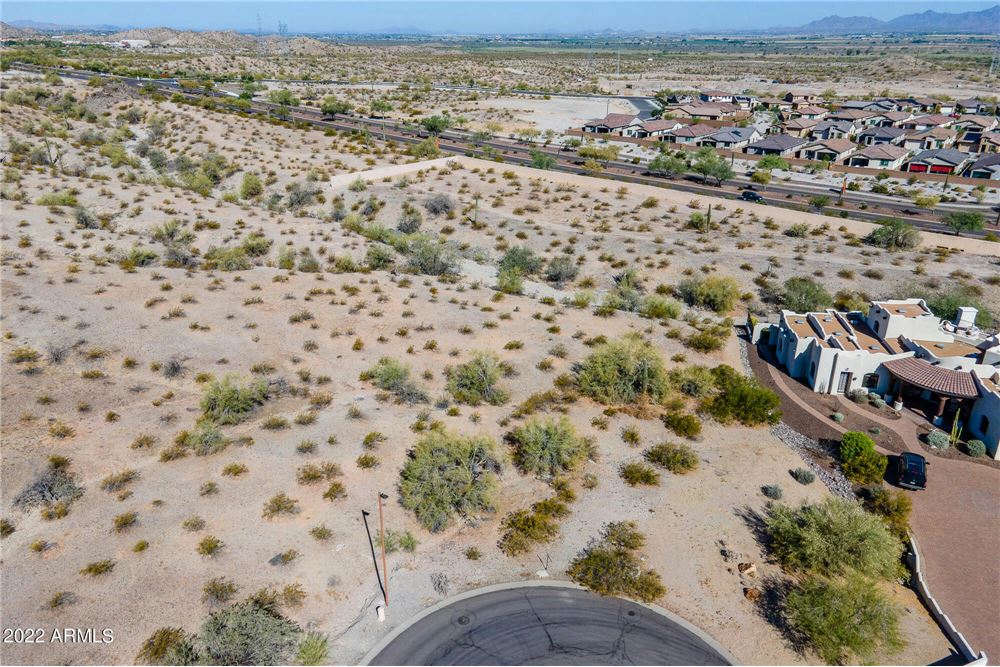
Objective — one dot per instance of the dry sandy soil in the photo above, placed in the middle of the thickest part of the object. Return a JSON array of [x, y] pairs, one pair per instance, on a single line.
[[106, 337]]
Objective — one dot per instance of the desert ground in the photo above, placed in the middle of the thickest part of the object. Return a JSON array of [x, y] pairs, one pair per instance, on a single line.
[[116, 321]]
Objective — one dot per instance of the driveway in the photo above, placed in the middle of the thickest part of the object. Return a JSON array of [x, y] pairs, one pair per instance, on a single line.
[[547, 625], [956, 520]]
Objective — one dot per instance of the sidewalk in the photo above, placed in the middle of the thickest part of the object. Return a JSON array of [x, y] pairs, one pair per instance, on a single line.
[[956, 520]]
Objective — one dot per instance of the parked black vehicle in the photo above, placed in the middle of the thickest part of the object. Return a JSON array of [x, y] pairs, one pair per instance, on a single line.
[[750, 195], [911, 471]]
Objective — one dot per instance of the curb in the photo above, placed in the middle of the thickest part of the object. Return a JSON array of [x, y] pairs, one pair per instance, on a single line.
[[476, 592]]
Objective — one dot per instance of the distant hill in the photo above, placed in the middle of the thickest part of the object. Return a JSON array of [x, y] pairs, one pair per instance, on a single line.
[[981, 22], [8, 31]]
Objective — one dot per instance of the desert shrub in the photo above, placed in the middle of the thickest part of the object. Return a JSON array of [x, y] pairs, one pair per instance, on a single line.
[[847, 621], [313, 650], [280, 503], [521, 258], [548, 447], [678, 459], [439, 204], [560, 270], [659, 307], [228, 259], [379, 256], [975, 448], [410, 220], [741, 399], [55, 486], [716, 293], [218, 589], [400, 540], [522, 529], [804, 295], [609, 565], [97, 568], [431, 257], [623, 371], [705, 341], [894, 234], [838, 417], [247, 633], [695, 381], [167, 646], [449, 474], [683, 424], [210, 545], [477, 381], [772, 491], [893, 506], [204, 439], [510, 281], [636, 474], [853, 444], [832, 537], [394, 376], [226, 401], [938, 440], [945, 301], [803, 476]]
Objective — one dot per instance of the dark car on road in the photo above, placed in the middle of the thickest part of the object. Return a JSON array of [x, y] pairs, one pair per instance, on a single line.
[[911, 471], [750, 195]]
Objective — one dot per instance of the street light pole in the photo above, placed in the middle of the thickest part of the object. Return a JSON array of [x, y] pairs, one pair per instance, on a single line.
[[381, 532]]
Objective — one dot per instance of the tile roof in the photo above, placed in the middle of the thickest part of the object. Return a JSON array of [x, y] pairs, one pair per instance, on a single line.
[[838, 145], [882, 152], [782, 142], [939, 380], [613, 120], [946, 155]]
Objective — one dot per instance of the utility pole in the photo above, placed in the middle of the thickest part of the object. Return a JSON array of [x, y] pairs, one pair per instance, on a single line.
[[381, 532]]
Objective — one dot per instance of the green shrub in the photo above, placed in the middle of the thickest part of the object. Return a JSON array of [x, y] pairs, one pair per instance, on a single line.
[[893, 506], [561, 270], [716, 293], [694, 381], [228, 259], [741, 399], [623, 371], [548, 447], [226, 401], [394, 376], [522, 259], [659, 307], [522, 529], [832, 537], [400, 540], [313, 650], [853, 444], [636, 474], [431, 257], [772, 491], [380, 257], [450, 474], [803, 295], [894, 234], [247, 633], [975, 448], [476, 381], [684, 425], [510, 281], [167, 646], [846, 621], [803, 476], [609, 566], [678, 459], [938, 440], [866, 468]]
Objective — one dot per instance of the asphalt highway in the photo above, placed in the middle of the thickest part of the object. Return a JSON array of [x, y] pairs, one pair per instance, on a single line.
[[546, 625]]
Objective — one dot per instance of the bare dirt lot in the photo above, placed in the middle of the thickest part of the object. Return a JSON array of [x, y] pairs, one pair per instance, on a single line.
[[128, 289]]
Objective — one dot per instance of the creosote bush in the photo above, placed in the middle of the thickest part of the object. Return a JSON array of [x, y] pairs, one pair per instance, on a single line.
[[609, 565], [477, 381], [623, 371], [678, 459], [548, 447], [394, 376], [227, 401]]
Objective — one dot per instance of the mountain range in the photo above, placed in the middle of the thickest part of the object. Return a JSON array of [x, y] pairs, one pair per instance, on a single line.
[[986, 21]]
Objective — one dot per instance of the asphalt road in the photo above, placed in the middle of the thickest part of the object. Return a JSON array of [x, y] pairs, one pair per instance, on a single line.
[[546, 625]]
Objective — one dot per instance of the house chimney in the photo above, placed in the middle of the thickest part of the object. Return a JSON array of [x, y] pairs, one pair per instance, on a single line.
[[966, 317]]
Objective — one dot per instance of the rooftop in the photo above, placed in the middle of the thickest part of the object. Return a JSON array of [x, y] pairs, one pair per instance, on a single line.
[[924, 374]]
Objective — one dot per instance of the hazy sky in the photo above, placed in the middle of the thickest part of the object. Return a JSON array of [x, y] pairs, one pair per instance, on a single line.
[[469, 16]]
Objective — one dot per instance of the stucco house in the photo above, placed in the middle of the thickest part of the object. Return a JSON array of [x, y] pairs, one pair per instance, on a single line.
[[613, 123], [689, 134], [901, 351], [935, 137], [656, 127], [730, 138], [881, 135], [987, 166], [938, 161], [775, 144], [879, 156], [828, 150], [834, 129]]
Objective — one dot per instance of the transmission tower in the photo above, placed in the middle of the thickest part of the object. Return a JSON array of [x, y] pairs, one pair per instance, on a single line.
[[283, 36], [995, 61]]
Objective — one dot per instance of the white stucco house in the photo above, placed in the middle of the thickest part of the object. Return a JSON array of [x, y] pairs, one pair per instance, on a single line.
[[903, 352]]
